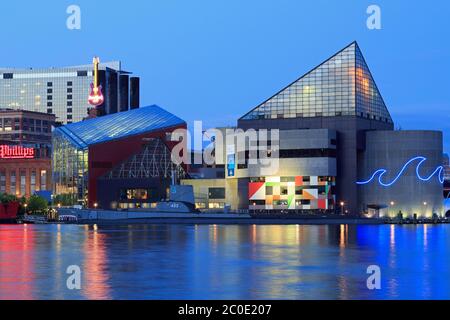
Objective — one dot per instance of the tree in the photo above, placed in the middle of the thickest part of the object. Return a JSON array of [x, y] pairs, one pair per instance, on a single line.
[[7, 198], [64, 200], [37, 204]]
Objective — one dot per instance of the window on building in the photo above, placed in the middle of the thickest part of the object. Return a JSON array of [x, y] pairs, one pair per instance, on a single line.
[[49, 84], [23, 179], [49, 97], [43, 180], [16, 124], [69, 90], [216, 193], [82, 73], [139, 194], [69, 97], [33, 182], [280, 202], [69, 117], [69, 103], [38, 125], [8, 124], [49, 110], [200, 205], [258, 202], [216, 205], [69, 110], [69, 83], [13, 184], [49, 90], [25, 126], [2, 182]]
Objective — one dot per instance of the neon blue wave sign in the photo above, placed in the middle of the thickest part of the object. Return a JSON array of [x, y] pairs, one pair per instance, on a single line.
[[439, 172]]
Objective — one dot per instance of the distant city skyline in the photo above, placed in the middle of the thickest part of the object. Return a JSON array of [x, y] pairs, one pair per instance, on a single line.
[[214, 61]]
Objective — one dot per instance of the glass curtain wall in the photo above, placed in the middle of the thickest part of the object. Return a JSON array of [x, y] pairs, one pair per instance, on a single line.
[[70, 171]]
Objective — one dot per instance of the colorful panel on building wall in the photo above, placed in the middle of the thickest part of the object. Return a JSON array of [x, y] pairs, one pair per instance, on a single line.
[[292, 193], [256, 191]]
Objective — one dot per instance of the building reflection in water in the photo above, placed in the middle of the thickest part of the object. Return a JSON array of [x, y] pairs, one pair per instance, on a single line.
[[343, 239], [273, 259], [17, 267], [95, 284], [392, 238], [224, 261]]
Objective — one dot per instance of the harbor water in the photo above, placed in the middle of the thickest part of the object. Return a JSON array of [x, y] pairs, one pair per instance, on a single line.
[[224, 261]]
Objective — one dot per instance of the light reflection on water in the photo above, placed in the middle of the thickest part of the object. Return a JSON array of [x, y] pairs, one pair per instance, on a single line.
[[224, 261]]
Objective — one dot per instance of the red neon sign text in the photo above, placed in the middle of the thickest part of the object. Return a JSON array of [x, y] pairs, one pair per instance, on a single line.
[[16, 152]]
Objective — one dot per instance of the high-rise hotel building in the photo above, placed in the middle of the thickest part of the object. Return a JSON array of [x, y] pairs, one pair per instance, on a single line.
[[64, 91]]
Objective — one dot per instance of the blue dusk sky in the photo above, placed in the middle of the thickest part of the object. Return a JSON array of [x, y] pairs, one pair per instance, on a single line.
[[214, 60]]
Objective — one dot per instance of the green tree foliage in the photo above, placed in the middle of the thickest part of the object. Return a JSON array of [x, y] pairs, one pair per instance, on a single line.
[[7, 198], [64, 200], [37, 204]]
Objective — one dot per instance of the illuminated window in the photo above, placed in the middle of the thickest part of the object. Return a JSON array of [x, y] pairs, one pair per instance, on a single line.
[[13, 183], [216, 205], [200, 205], [43, 180]]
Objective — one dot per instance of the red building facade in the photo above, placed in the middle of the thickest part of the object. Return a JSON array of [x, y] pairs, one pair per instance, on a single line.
[[25, 152], [105, 156], [87, 151]]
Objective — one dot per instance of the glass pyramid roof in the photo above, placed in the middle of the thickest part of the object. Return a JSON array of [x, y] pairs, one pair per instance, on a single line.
[[119, 125], [340, 86]]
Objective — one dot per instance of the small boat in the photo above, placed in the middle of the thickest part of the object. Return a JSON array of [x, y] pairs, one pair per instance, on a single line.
[[67, 219], [34, 219]]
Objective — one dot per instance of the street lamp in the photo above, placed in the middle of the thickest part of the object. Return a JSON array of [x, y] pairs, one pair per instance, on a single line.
[[425, 207], [95, 205], [342, 207], [25, 205], [392, 205]]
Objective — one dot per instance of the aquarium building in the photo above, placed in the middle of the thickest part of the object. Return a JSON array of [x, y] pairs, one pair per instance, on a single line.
[[121, 160], [337, 152]]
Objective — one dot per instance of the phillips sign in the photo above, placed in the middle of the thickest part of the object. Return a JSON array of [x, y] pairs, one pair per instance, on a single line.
[[16, 152]]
